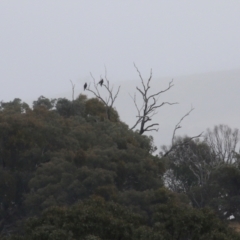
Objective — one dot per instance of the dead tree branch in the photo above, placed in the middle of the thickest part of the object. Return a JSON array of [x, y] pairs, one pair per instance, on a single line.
[[179, 126], [149, 105], [175, 145], [111, 97], [73, 87]]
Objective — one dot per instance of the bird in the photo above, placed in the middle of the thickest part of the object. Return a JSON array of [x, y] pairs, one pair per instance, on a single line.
[[101, 82], [85, 86]]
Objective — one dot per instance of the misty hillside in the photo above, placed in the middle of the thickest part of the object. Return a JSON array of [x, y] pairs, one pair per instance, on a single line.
[[68, 170], [213, 95]]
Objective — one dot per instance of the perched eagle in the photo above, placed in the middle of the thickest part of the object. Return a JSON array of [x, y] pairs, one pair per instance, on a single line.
[[85, 86], [101, 82]]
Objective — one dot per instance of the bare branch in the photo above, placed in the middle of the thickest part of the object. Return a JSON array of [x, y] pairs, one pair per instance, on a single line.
[[73, 87], [140, 91], [148, 127], [178, 124], [96, 94], [174, 145], [153, 108], [135, 103], [138, 121], [181, 144], [140, 75], [138, 110], [150, 105], [110, 99], [170, 85], [152, 129]]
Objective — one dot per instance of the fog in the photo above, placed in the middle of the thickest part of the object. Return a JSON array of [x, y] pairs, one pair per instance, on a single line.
[[44, 44]]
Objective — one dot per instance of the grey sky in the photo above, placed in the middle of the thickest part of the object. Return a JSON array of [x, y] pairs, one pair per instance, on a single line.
[[43, 43]]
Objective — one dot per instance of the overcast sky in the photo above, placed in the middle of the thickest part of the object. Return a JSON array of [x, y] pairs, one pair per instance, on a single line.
[[44, 44]]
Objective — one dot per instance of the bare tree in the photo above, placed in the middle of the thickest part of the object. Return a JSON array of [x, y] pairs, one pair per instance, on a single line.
[[149, 106], [199, 160], [111, 97], [190, 167], [223, 142]]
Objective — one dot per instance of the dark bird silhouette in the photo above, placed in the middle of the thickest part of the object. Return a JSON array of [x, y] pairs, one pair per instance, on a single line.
[[85, 86], [101, 82]]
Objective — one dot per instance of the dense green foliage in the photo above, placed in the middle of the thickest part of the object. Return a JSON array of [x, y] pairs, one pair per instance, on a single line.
[[67, 172]]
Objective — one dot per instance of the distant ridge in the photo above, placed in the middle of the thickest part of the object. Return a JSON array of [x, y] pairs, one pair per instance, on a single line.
[[208, 73]]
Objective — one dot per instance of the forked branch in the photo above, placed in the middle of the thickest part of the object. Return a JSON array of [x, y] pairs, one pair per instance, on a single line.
[[175, 145], [149, 104], [111, 97], [73, 88]]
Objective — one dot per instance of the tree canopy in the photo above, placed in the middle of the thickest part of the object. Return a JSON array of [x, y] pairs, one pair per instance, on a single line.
[[69, 172]]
